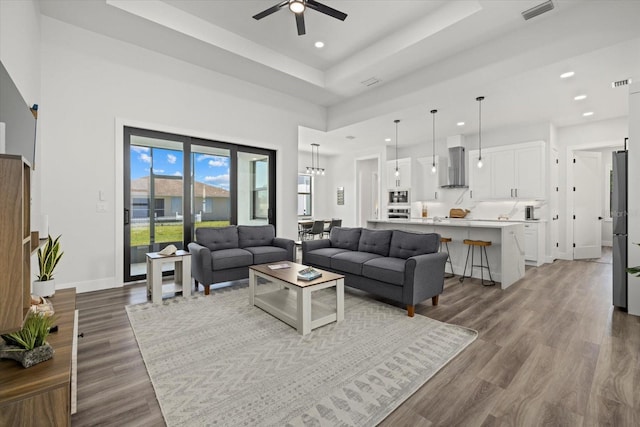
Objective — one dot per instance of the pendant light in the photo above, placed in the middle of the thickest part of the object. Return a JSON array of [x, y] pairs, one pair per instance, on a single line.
[[315, 168], [433, 150], [397, 170], [480, 99]]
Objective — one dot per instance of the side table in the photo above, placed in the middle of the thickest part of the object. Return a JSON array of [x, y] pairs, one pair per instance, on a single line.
[[182, 273]]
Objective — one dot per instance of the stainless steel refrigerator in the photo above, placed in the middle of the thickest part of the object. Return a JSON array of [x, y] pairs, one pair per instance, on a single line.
[[619, 216]]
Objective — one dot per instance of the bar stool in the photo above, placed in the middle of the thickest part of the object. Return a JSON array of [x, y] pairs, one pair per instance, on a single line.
[[446, 241], [483, 248]]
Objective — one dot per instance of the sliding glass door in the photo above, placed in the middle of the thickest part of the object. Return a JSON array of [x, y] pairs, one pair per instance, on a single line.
[[174, 184]]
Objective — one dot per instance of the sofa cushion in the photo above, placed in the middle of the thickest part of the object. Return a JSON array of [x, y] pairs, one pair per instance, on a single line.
[[345, 238], [265, 254], [230, 258], [405, 244], [375, 241], [255, 235], [322, 257], [390, 270], [351, 261], [217, 238]]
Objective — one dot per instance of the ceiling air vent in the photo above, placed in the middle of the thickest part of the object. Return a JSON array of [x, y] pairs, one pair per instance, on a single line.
[[371, 81], [621, 83], [537, 10]]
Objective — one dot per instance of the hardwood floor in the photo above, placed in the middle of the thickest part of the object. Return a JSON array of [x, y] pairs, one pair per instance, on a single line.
[[551, 351]]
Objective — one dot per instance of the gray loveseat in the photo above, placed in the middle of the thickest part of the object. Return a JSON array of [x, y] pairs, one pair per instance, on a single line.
[[399, 265], [225, 253]]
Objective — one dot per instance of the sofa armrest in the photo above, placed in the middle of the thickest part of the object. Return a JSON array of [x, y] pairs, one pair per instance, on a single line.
[[287, 244], [201, 264], [424, 277]]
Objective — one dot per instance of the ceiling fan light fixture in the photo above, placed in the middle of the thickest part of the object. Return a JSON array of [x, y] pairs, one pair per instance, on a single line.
[[296, 6]]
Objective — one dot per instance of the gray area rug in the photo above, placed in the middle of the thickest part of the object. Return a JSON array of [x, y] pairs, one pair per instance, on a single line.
[[216, 360]]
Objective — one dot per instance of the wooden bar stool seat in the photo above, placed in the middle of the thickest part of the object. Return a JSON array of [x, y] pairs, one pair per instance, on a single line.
[[446, 241], [482, 245]]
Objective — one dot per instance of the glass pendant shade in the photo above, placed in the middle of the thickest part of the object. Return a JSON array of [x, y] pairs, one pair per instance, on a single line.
[[480, 99]]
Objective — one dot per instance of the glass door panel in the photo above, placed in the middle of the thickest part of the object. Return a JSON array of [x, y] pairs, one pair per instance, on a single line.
[[210, 195], [154, 201], [254, 190]]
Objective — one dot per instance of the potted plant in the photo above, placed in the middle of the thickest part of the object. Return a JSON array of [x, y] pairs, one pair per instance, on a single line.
[[49, 256], [28, 345]]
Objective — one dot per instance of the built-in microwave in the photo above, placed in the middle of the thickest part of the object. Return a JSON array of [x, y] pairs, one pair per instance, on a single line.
[[399, 197]]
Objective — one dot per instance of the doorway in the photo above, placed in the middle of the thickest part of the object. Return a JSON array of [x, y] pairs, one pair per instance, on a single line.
[[368, 190], [174, 184]]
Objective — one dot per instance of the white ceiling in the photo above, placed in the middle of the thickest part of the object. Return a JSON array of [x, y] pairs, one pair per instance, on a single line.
[[427, 54]]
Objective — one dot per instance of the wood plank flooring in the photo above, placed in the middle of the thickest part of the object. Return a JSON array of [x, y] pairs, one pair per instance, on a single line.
[[551, 351]]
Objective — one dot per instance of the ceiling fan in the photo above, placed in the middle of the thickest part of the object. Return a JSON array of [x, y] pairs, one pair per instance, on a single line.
[[298, 7]]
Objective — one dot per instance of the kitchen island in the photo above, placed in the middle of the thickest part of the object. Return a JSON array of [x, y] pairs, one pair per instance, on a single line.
[[506, 253]]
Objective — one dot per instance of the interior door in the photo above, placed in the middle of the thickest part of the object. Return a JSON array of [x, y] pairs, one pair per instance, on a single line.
[[587, 205], [554, 204]]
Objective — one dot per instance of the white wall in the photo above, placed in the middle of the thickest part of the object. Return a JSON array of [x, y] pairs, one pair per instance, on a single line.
[[20, 54], [633, 206], [91, 86]]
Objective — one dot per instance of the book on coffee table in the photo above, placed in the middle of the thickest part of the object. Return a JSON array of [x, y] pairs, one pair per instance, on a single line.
[[308, 274], [278, 266]]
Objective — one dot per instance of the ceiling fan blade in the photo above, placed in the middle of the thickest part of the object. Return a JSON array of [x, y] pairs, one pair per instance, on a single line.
[[326, 10], [272, 9], [300, 24]]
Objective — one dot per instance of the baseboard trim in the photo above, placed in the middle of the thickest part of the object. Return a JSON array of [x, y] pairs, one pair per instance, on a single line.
[[92, 285]]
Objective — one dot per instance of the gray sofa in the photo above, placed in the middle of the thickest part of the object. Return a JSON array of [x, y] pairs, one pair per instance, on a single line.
[[225, 253], [399, 265]]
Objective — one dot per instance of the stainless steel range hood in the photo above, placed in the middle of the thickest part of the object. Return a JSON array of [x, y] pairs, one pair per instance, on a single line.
[[456, 176]]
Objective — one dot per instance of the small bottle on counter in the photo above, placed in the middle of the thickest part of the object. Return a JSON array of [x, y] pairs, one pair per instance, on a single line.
[[424, 210]]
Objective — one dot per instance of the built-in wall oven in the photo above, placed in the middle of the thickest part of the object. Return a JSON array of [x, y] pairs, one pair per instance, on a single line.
[[399, 197], [399, 212]]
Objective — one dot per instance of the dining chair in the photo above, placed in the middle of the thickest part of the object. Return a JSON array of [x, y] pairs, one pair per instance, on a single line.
[[316, 229], [334, 223]]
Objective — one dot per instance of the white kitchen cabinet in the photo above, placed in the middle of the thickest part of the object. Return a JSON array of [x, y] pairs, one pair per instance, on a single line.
[[402, 181], [512, 172], [426, 183], [479, 178], [534, 239]]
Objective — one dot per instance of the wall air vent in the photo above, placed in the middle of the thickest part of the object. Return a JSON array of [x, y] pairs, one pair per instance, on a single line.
[[621, 83], [371, 81], [537, 10]]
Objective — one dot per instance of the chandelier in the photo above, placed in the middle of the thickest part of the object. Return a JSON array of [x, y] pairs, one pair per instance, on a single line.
[[315, 168]]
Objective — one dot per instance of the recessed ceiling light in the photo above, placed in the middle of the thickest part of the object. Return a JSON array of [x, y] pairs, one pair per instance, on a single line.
[[387, 140], [567, 74], [580, 97], [319, 44], [460, 123], [588, 113]]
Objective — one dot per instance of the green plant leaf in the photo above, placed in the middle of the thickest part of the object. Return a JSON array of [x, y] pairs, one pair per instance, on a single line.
[[34, 332], [49, 256]]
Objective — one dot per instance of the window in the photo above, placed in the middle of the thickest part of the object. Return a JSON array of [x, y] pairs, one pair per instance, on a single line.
[[259, 189], [304, 195]]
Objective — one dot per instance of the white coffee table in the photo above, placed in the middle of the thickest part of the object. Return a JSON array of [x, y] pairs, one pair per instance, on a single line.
[[292, 302], [182, 273]]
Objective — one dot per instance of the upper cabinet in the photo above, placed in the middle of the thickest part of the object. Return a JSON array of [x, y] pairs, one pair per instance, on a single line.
[[509, 172], [479, 178], [404, 179], [427, 183]]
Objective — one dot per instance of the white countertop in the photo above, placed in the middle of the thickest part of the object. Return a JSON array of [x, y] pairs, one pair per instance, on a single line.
[[452, 222]]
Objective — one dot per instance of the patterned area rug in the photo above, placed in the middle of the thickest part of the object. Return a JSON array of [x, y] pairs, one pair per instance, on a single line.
[[216, 360]]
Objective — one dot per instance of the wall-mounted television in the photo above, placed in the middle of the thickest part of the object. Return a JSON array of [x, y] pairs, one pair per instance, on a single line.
[[19, 119]]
